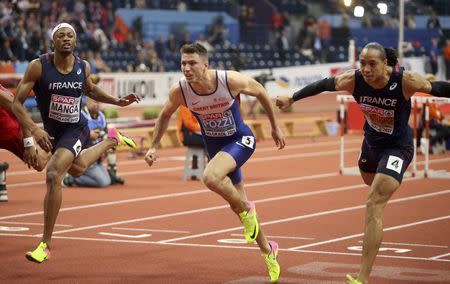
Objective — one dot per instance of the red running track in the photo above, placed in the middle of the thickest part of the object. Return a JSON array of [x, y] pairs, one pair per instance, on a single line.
[[158, 229]]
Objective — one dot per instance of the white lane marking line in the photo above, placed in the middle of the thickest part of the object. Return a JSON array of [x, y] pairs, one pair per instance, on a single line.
[[359, 255], [277, 237], [412, 245], [438, 257], [263, 159], [308, 145], [384, 230], [150, 230], [181, 157], [322, 213], [224, 246], [33, 224], [125, 235], [182, 213], [148, 171], [178, 194], [171, 169]]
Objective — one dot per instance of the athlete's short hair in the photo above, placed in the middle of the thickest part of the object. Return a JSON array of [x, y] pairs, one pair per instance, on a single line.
[[388, 53], [194, 48]]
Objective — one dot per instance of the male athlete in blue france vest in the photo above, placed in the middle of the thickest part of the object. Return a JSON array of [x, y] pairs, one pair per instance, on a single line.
[[59, 79], [382, 90]]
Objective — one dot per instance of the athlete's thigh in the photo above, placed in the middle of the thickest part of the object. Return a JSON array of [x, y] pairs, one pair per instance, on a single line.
[[383, 187], [60, 161], [238, 148], [221, 164], [395, 161], [368, 160], [73, 139]]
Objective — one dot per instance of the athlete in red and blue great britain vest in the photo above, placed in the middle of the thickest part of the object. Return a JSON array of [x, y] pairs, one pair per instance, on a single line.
[[59, 95], [386, 111], [218, 112], [221, 123]]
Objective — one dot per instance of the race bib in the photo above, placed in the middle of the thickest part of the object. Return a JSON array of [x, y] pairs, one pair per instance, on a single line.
[[219, 124], [395, 163], [248, 141], [77, 147], [64, 109]]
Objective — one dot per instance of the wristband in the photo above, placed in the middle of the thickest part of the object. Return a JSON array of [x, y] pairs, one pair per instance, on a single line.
[[28, 142]]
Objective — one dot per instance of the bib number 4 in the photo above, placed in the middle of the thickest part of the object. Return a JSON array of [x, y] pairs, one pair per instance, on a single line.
[[395, 163]]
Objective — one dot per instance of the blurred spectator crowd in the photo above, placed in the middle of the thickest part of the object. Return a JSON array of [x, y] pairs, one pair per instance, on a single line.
[[294, 35]]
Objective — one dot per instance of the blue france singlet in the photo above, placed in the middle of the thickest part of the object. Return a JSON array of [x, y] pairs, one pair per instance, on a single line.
[[59, 95], [218, 112], [386, 110]]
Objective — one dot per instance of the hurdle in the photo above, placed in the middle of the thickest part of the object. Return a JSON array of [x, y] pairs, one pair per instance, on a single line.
[[427, 172]]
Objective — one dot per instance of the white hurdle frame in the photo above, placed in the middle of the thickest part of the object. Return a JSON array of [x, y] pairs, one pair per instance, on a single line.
[[415, 100]]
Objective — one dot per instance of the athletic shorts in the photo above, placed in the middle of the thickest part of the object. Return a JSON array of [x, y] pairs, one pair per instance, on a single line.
[[74, 138], [392, 161], [239, 147], [11, 134]]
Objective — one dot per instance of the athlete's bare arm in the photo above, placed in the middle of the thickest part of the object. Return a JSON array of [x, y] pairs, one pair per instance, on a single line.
[[171, 105], [29, 128], [5, 100], [413, 82], [95, 92], [240, 83], [345, 81]]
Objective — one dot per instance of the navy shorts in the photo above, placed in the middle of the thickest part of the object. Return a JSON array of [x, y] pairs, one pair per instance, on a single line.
[[392, 161], [74, 138], [239, 147]]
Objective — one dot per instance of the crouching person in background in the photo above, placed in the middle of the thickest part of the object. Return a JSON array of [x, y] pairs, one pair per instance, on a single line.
[[97, 175]]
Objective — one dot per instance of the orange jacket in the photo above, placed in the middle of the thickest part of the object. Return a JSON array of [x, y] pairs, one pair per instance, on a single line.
[[186, 118], [446, 52]]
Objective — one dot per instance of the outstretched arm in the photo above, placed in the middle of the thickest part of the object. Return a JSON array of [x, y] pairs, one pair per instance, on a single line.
[[240, 83], [174, 101], [343, 82], [95, 92], [413, 82]]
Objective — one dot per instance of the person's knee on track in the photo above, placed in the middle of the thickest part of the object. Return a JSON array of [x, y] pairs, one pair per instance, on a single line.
[[212, 180], [382, 190], [53, 178]]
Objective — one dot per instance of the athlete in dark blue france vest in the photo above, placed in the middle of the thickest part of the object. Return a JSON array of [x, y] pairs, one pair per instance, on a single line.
[[382, 91], [59, 79]]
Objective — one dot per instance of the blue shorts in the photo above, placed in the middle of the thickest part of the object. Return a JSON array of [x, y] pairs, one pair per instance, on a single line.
[[239, 147], [392, 161], [74, 138]]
